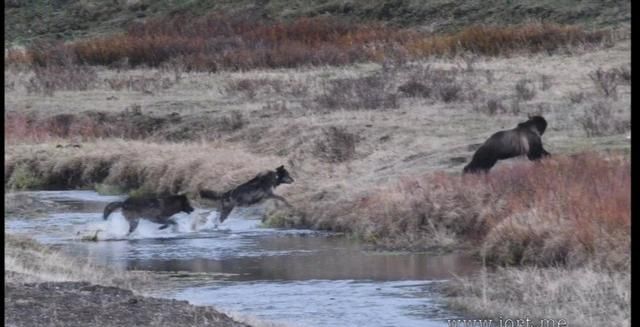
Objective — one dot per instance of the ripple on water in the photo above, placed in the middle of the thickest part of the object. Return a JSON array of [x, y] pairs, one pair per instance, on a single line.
[[298, 276], [323, 303]]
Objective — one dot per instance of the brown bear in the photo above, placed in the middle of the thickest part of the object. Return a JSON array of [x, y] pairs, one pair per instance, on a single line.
[[524, 139]]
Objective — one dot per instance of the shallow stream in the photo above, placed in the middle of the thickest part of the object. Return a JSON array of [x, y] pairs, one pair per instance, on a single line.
[[297, 277]]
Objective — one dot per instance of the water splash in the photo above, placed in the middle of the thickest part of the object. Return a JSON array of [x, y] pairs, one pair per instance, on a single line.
[[241, 266], [116, 227]]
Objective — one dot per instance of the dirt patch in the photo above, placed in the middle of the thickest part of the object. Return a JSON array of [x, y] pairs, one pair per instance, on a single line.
[[83, 304]]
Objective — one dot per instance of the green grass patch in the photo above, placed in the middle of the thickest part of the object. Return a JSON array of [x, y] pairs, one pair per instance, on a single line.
[[108, 189], [24, 177]]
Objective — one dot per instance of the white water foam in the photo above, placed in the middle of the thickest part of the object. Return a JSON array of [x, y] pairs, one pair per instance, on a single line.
[[116, 227], [75, 195]]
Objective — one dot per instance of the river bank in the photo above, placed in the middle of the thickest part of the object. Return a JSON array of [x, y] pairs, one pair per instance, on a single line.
[[376, 150], [44, 287], [245, 269]]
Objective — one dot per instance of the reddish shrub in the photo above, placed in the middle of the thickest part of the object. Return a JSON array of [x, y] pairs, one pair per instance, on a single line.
[[229, 42], [564, 210]]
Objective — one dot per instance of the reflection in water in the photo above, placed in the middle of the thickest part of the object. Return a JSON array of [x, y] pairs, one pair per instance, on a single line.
[[316, 278], [274, 258]]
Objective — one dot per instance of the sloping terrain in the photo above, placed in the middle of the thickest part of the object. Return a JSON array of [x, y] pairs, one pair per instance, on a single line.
[[28, 20]]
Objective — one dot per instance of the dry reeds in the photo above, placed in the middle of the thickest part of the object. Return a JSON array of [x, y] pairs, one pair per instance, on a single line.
[[547, 296], [28, 261], [132, 165]]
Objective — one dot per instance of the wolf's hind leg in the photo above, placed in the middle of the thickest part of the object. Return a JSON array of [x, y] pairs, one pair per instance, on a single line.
[[224, 213], [170, 222], [133, 223]]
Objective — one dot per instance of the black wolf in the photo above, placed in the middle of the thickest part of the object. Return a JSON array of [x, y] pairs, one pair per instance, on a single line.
[[155, 209], [254, 191], [524, 139]]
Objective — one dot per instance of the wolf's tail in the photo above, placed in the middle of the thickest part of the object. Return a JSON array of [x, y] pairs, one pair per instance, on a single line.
[[110, 208], [207, 194]]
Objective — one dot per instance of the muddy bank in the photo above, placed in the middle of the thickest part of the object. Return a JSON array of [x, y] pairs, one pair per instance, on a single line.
[[84, 304], [44, 287], [241, 268]]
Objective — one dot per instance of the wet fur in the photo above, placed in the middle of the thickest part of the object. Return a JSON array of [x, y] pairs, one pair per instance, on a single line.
[[155, 209], [256, 190], [525, 139]]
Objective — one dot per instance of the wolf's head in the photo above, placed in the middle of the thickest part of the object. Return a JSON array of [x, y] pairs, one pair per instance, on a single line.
[[282, 176]]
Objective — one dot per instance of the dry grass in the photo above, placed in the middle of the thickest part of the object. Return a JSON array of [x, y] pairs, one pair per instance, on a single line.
[[392, 185], [368, 92], [130, 124], [570, 210], [46, 80], [276, 127], [27, 261], [582, 297], [606, 82], [151, 167], [601, 120], [441, 84], [337, 146], [266, 118], [567, 210]]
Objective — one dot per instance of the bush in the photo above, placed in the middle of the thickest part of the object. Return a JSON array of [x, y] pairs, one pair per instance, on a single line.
[[499, 40], [435, 83], [545, 82], [450, 91], [232, 122], [108, 189], [24, 177], [525, 89], [493, 106], [84, 126], [249, 88], [624, 74], [369, 92], [336, 145], [599, 120], [568, 210], [576, 97], [606, 82], [235, 42], [47, 80], [414, 88], [142, 84]]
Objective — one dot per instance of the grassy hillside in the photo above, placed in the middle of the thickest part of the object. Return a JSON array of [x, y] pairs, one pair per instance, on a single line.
[[28, 20], [375, 122]]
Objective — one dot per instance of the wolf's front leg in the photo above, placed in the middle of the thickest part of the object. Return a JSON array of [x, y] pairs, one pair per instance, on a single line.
[[224, 212], [169, 222]]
